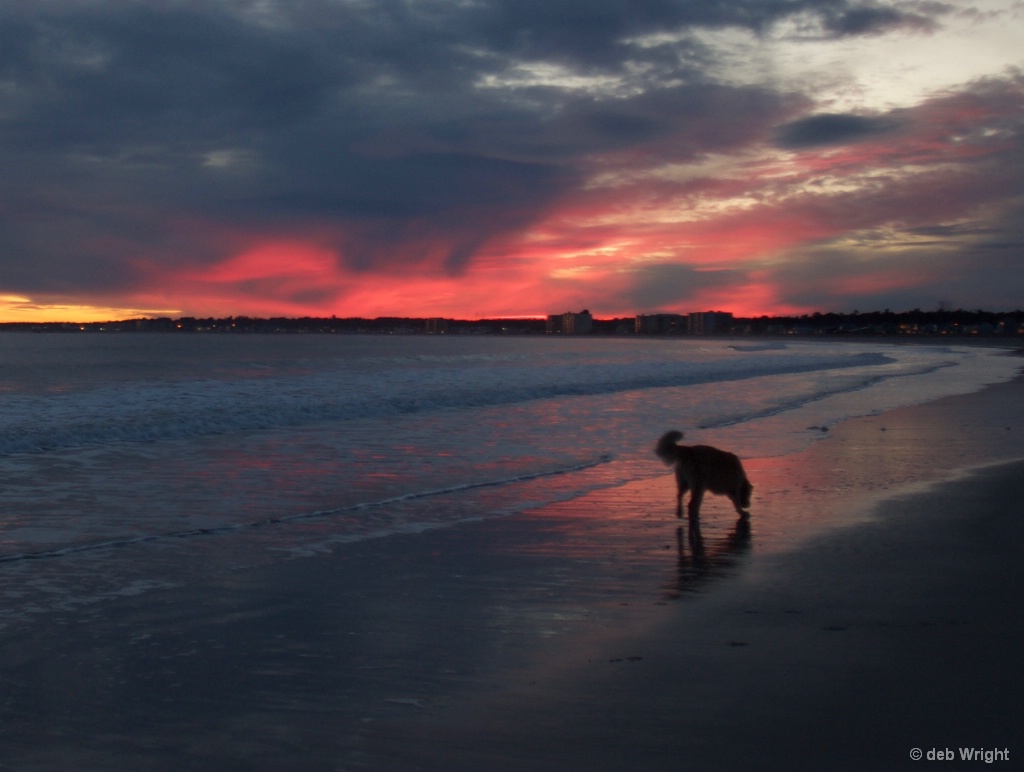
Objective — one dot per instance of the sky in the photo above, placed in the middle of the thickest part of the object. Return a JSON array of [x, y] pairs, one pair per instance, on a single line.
[[497, 158]]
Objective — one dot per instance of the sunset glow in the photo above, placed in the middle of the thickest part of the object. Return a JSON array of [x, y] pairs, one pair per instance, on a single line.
[[25, 310], [749, 159]]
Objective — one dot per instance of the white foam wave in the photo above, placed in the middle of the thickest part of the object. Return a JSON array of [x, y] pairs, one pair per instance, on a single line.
[[157, 411]]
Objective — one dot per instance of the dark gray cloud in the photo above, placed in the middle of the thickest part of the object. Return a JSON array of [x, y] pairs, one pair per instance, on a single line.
[[100, 78], [669, 285], [833, 129], [987, 280], [591, 31], [873, 19]]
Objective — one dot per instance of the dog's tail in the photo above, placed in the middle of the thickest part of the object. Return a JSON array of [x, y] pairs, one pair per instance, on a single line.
[[666, 447]]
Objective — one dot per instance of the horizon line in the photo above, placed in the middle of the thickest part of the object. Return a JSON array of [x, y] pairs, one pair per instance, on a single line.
[[513, 317]]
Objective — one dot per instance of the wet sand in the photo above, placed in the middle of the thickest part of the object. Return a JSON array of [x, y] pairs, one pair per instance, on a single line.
[[872, 607]]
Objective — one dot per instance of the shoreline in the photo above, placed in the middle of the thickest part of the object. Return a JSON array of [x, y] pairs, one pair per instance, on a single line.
[[583, 634]]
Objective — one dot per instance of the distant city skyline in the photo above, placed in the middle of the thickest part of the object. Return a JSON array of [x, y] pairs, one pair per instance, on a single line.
[[916, 322], [497, 158]]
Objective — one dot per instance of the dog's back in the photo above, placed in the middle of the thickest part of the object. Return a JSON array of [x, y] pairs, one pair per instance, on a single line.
[[716, 470]]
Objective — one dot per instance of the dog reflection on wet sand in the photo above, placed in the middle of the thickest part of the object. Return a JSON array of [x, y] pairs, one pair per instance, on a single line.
[[702, 468], [707, 560]]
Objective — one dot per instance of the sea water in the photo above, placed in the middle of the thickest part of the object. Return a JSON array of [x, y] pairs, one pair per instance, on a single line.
[[117, 448]]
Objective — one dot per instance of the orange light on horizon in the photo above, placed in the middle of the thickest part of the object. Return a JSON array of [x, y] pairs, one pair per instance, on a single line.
[[16, 309]]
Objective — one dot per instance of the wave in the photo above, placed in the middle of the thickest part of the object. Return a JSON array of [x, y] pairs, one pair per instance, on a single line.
[[760, 347], [188, 410], [151, 412], [783, 406]]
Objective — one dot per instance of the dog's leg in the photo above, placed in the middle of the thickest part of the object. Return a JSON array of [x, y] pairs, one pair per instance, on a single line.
[[693, 508], [681, 488]]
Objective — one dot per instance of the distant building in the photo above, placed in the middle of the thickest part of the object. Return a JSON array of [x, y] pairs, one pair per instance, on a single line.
[[709, 322], [660, 324], [437, 326], [163, 324], [578, 324], [571, 323]]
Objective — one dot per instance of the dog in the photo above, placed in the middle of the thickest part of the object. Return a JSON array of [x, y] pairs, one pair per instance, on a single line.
[[701, 468]]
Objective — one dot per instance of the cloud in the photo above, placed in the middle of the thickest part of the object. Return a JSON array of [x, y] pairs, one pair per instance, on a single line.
[[842, 280], [147, 148], [674, 286], [876, 19], [832, 129]]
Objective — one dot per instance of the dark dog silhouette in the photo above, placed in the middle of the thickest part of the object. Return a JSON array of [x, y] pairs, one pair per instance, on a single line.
[[701, 468]]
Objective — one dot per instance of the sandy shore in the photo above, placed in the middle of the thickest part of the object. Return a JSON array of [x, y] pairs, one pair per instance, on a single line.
[[872, 607]]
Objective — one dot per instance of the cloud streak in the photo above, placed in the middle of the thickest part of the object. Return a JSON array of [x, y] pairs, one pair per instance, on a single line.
[[489, 158]]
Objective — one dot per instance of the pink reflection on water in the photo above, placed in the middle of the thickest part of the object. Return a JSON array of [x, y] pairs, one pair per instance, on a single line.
[[628, 533]]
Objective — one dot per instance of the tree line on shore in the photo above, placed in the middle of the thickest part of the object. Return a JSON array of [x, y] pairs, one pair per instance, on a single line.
[[915, 322]]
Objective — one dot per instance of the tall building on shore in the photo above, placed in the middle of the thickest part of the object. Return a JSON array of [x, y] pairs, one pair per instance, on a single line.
[[660, 324], [571, 323], [709, 322], [697, 323]]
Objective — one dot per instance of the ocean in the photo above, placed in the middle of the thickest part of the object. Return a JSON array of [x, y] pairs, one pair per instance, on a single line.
[[122, 453]]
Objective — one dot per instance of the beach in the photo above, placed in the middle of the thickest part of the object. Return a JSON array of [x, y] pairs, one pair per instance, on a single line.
[[870, 608]]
